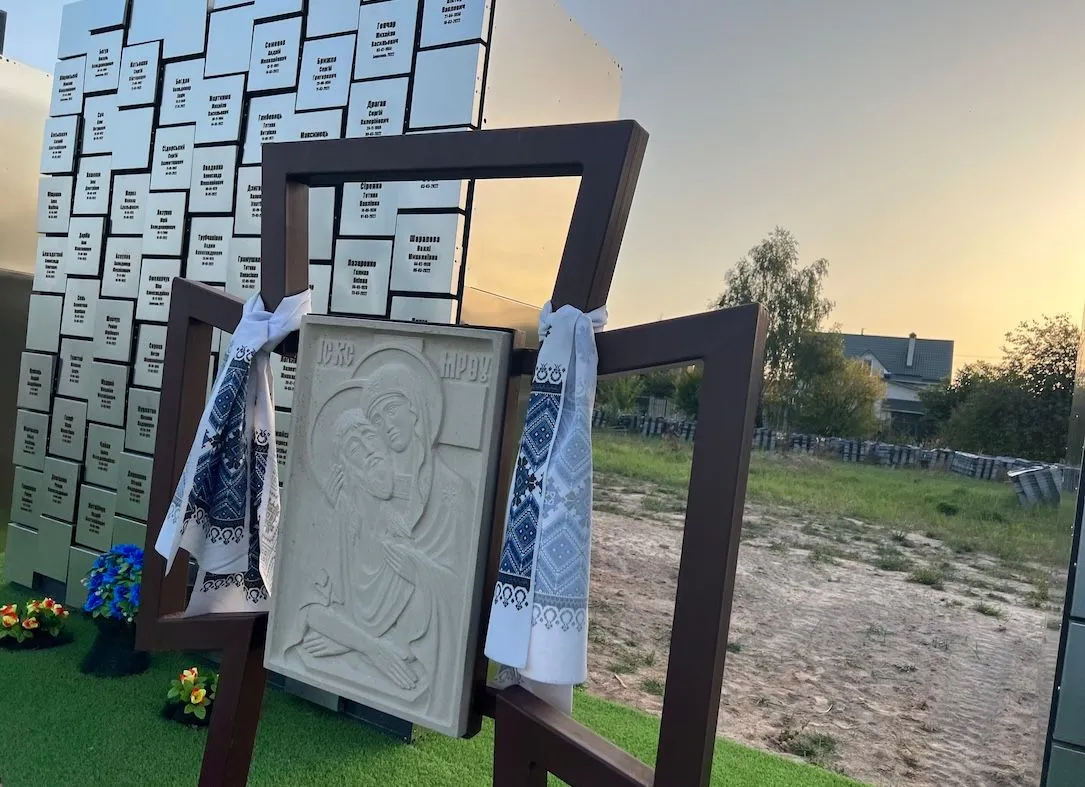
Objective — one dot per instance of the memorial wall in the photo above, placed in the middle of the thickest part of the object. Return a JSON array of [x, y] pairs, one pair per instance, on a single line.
[[150, 169]]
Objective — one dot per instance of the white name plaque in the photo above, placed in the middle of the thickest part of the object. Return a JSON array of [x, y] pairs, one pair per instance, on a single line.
[[249, 206], [326, 66], [92, 186], [35, 381], [121, 276], [94, 527], [164, 225], [129, 210], [274, 62], [80, 307], [99, 120], [54, 204], [68, 87], [31, 430], [58, 146], [57, 496], [75, 358], [106, 406], [445, 22], [182, 93], [49, 271], [441, 311], [133, 485], [270, 119], [208, 247], [243, 271], [370, 209], [84, 254], [113, 331], [213, 172], [104, 62], [150, 356], [142, 425], [427, 253], [139, 75], [69, 429], [104, 446], [155, 287], [385, 39], [219, 118], [360, 277], [377, 108], [171, 167], [26, 496]]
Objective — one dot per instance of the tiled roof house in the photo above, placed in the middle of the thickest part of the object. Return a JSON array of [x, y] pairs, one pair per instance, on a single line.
[[907, 364]]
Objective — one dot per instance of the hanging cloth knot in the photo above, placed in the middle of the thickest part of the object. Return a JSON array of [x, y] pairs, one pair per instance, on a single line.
[[539, 619], [225, 511]]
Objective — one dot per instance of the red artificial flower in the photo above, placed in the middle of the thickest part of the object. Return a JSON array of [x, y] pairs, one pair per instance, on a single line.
[[30, 624]]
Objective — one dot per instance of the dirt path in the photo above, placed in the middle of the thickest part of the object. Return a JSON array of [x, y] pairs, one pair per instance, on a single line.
[[893, 682]]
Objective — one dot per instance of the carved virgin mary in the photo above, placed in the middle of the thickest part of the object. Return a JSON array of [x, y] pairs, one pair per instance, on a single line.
[[378, 614]]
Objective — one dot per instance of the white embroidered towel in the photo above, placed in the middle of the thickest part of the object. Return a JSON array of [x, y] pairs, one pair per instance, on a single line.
[[539, 619], [225, 511]]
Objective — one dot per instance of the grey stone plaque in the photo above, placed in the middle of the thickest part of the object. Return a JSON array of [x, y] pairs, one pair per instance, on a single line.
[[213, 173], [391, 486], [103, 62], [134, 485], [360, 277], [285, 371], [127, 531], [171, 166], [453, 21], [104, 446], [427, 253], [208, 248], [141, 427], [446, 194], [331, 16], [31, 432], [164, 224], [68, 87], [150, 356], [249, 206], [54, 547], [448, 87], [321, 223], [129, 210], [219, 118], [80, 307], [106, 405], [58, 145], [322, 124], [99, 120], [186, 31], [267, 8], [68, 432], [129, 207], [282, 442], [103, 14], [270, 120], [320, 282], [49, 271], [275, 49], [385, 39], [139, 75], [86, 235], [182, 93], [74, 378], [120, 278], [113, 330], [229, 41], [92, 186], [155, 287], [130, 138], [243, 271], [377, 108], [74, 32], [54, 204], [43, 323], [36, 381], [97, 509], [326, 66], [440, 311], [370, 209], [26, 496]]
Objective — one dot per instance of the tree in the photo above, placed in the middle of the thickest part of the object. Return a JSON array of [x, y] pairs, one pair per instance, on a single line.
[[795, 304], [619, 395], [659, 384], [687, 391], [833, 395]]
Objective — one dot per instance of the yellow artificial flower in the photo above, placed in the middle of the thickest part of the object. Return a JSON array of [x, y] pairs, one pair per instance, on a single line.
[[9, 609], [32, 606], [8, 621], [190, 675], [197, 696], [30, 624]]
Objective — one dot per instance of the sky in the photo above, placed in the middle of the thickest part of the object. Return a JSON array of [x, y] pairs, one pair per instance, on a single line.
[[932, 151]]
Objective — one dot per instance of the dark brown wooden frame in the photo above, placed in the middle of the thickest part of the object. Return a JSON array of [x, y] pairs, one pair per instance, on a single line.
[[531, 738]]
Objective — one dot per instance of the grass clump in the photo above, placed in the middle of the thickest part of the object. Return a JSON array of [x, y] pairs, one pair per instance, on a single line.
[[930, 576], [652, 686], [892, 559], [990, 610], [735, 647], [816, 747]]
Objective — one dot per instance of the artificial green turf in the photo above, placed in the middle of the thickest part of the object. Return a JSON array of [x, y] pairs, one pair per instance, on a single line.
[[59, 728]]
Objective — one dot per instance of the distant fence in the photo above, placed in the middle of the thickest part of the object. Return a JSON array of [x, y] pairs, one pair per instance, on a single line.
[[1033, 482]]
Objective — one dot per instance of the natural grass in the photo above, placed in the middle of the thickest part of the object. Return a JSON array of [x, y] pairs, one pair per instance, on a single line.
[[990, 610], [892, 559], [929, 576], [967, 514], [113, 735]]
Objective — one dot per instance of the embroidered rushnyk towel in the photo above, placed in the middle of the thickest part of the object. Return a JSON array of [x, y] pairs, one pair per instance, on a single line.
[[539, 620], [225, 511]]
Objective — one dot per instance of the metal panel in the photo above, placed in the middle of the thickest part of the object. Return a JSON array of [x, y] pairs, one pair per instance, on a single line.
[[21, 555], [104, 62], [75, 20], [80, 307], [27, 496], [275, 49], [59, 491], [427, 253], [120, 278], [360, 277], [243, 268], [229, 41], [68, 431], [150, 355], [209, 248], [43, 323], [433, 310], [127, 531], [94, 526], [104, 447], [92, 186], [213, 173], [103, 14], [182, 93], [76, 356], [50, 274], [249, 190], [86, 239], [68, 78], [164, 224], [155, 286], [270, 119], [31, 431], [142, 423], [377, 108], [113, 330], [129, 209], [80, 563], [58, 145], [331, 16], [54, 542], [130, 138], [451, 23], [106, 404], [385, 39], [36, 381], [171, 165], [370, 209], [134, 475], [54, 204], [448, 87], [99, 121], [139, 75], [219, 108]]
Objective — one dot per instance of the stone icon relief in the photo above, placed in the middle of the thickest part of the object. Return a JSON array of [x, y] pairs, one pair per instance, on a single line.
[[388, 512]]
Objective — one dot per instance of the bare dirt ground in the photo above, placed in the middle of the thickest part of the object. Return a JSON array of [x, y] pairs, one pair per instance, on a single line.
[[859, 669]]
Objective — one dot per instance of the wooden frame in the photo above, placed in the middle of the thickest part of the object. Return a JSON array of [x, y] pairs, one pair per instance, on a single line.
[[532, 739]]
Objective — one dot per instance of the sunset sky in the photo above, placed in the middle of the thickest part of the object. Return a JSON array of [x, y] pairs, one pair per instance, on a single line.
[[933, 151]]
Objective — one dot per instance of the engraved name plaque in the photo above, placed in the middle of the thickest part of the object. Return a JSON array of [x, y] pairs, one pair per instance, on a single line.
[[213, 171], [445, 22], [99, 119], [92, 186], [370, 209], [171, 166], [43, 322], [96, 512], [385, 39], [103, 62], [450, 194], [249, 206], [129, 210], [377, 108], [130, 138], [243, 269], [155, 287], [113, 330], [142, 424], [133, 485], [49, 272], [104, 446], [427, 253], [74, 376], [35, 381], [270, 119], [441, 311], [150, 356], [80, 307], [26, 496], [274, 62], [54, 204], [323, 124], [219, 118], [69, 428], [360, 277], [31, 431], [208, 247], [58, 145], [448, 87], [331, 16], [68, 87], [182, 92], [394, 439], [122, 259], [106, 406], [57, 495], [84, 254], [164, 223], [326, 66], [139, 76]]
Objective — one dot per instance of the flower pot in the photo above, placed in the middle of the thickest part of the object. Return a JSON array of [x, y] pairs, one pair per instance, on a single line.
[[113, 653], [175, 711]]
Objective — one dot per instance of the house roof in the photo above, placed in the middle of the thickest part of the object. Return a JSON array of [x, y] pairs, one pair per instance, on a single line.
[[903, 406], [933, 357]]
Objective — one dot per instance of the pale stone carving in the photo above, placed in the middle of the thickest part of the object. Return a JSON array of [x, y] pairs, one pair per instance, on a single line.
[[389, 501]]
